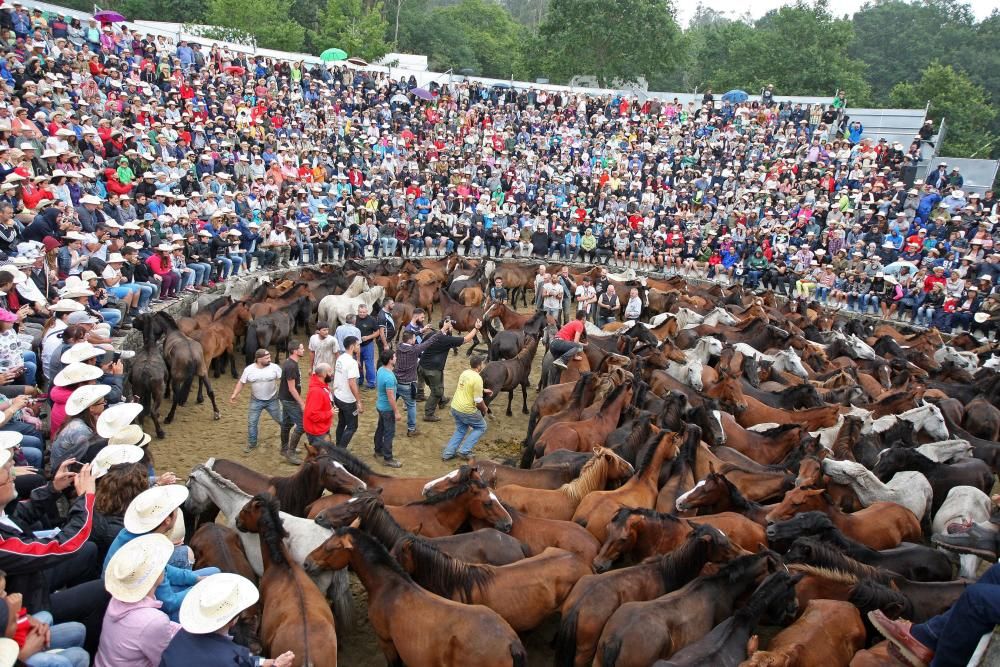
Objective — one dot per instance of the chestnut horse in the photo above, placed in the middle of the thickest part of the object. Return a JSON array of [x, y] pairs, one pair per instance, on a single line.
[[296, 616], [583, 436], [809, 640]]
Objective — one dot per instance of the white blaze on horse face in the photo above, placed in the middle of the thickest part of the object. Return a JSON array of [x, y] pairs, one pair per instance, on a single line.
[[503, 509], [434, 482], [717, 415], [340, 466], [684, 496]]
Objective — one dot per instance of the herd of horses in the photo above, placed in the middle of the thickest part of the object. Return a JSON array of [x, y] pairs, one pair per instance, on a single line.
[[727, 464]]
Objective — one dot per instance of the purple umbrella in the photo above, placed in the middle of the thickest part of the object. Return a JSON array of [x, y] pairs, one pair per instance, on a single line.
[[107, 16], [423, 94]]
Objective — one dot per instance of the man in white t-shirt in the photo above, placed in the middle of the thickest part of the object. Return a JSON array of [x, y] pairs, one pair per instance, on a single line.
[[263, 377], [586, 295], [346, 395], [323, 348]]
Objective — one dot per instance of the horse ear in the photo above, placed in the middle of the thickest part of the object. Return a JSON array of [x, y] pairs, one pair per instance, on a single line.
[[711, 467], [356, 523], [753, 644]]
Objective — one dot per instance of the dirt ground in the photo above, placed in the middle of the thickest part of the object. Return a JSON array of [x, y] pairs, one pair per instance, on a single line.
[[194, 437]]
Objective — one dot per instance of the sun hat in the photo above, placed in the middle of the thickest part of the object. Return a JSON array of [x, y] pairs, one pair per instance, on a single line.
[[7, 316], [129, 435], [84, 397], [216, 600], [115, 258], [136, 567], [981, 317], [5, 457], [117, 417], [148, 509], [9, 651], [80, 352], [81, 317], [10, 439], [113, 455], [15, 271], [75, 373], [66, 306]]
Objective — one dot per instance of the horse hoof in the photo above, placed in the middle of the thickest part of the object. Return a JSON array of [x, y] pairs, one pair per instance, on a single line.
[[216, 416]]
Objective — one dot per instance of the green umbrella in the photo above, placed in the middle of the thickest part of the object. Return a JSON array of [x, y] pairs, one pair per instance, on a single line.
[[333, 55]]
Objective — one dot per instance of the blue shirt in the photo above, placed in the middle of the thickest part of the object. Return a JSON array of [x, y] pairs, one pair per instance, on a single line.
[[176, 582], [186, 649], [385, 380]]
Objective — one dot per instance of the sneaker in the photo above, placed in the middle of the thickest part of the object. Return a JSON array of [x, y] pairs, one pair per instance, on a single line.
[[391, 463], [431, 418], [447, 458], [560, 363], [898, 633], [412, 434], [125, 355], [250, 447], [292, 458], [465, 457]]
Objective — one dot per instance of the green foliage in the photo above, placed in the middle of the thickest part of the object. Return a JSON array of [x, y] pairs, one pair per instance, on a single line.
[[267, 20], [348, 25], [953, 96], [615, 41], [474, 34]]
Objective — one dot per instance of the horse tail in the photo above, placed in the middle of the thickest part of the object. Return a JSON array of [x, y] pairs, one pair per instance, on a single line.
[[565, 639], [250, 344], [612, 650], [527, 453], [518, 654], [341, 599], [181, 393]]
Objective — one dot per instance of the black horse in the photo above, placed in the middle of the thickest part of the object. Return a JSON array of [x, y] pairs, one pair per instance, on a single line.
[[147, 376]]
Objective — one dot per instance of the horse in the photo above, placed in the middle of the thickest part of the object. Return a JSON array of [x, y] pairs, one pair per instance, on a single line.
[[148, 375], [583, 436], [715, 494], [638, 633], [518, 278], [295, 615], [334, 309], [808, 641], [419, 294], [464, 318], [524, 593], [909, 489], [434, 632], [942, 476], [204, 316], [207, 490], [596, 510], [271, 329], [184, 358], [218, 336], [881, 525], [561, 503], [773, 603], [395, 490], [596, 596], [549, 477], [215, 545], [508, 374]]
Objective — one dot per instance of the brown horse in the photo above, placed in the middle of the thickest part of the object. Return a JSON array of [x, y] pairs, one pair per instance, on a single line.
[[464, 317], [811, 419], [881, 525], [829, 632], [765, 448], [595, 597], [539, 534], [550, 477], [561, 503], [218, 337], [518, 278], [508, 374], [261, 308], [597, 509], [716, 494], [421, 296], [433, 632], [216, 545], [754, 481], [395, 490], [583, 436], [203, 317], [296, 616], [639, 633], [524, 593]]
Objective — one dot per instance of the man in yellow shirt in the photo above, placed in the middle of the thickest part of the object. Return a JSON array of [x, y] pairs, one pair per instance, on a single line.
[[468, 408]]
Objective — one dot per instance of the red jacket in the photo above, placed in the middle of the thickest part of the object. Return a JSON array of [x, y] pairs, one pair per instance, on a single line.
[[317, 418]]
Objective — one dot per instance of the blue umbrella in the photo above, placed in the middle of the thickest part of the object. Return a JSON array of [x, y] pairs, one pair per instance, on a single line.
[[735, 96]]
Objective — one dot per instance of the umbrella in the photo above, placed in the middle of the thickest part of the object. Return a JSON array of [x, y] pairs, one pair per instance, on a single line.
[[399, 99], [735, 96], [423, 94], [354, 60], [108, 16], [235, 70], [333, 55]]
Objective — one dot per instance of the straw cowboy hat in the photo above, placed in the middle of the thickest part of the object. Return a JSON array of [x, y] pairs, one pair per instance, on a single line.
[[113, 455], [65, 306], [981, 317], [10, 439], [215, 601], [117, 417], [80, 352], [129, 435], [148, 509], [75, 373], [85, 396], [135, 568], [8, 652], [5, 457]]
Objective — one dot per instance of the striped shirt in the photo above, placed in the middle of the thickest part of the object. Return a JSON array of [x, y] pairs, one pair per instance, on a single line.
[[407, 357]]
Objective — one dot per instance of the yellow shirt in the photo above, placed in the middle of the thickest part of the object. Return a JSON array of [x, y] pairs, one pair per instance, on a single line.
[[470, 388]]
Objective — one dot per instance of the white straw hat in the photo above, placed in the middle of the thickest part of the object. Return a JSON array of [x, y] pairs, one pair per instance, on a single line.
[[65, 306], [113, 455], [148, 509], [15, 271], [9, 651], [135, 568], [85, 396], [80, 352], [216, 600], [75, 373], [10, 439], [129, 435], [117, 417]]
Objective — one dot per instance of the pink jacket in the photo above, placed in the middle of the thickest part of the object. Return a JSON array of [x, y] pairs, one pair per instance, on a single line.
[[57, 415], [134, 634]]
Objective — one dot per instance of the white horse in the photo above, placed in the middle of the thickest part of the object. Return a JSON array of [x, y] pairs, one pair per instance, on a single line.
[[946, 451], [965, 360], [357, 286], [785, 361], [208, 488], [720, 316], [908, 488], [964, 504], [926, 418], [335, 308], [690, 371], [860, 348], [688, 319]]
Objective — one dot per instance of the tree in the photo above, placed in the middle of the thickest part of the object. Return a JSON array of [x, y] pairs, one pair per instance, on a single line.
[[965, 107], [266, 20], [617, 42], [349, 25]]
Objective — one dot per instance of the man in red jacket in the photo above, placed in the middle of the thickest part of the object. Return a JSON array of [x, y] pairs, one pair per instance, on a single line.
[[318, 415]]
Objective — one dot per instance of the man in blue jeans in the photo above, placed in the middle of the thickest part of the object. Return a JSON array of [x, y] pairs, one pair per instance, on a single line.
[[369, 329], [468, 409], [263, 377]]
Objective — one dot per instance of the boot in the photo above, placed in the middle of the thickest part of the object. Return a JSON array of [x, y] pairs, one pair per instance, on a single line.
[[288, 453], [977, 540]]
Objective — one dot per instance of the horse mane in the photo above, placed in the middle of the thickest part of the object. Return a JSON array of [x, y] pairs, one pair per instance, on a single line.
[[827, 556], [272, 531], [449, 494], [622, 515], [443, 574], [613, 395], [298, 490], [372, 551], [869, 595], [685, 562], [739, 501], [221, 480], [377, 521], [580, 387], [773, 585], [592, 477], [648, 452], [830, 574], [353, 464], [736, 569], [911, 457]]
